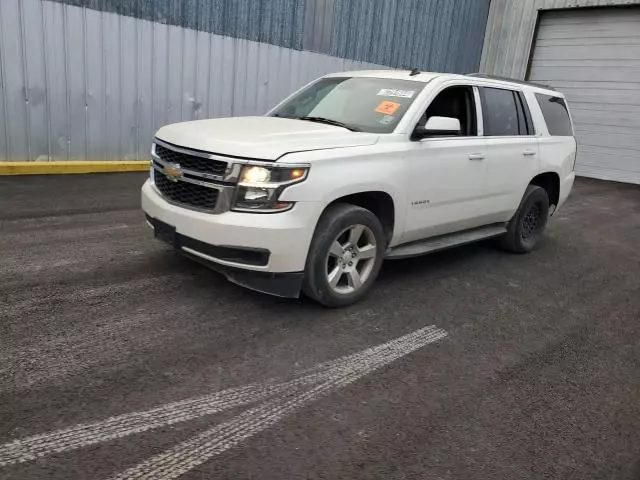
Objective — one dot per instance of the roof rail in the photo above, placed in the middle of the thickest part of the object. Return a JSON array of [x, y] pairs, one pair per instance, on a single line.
[[512, 80]]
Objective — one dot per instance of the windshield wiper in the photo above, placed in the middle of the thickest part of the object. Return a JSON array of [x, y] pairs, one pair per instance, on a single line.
[[329, 121]]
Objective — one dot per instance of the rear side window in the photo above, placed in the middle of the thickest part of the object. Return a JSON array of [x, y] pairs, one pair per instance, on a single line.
[[556, 115], [504, 113]]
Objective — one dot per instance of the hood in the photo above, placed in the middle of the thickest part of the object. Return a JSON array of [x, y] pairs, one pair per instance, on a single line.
[[262, 138]]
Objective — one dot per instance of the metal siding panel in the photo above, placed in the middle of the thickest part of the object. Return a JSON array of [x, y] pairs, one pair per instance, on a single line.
[[174, 74], [227, 81], [112, 47], [36, 80], [430, 21], [160, 107], [215, 76], [55, 59], [240, 76], [128, 89], [273, 56], [318, 20], [295, 79], [262, 101], [145, 87], [396, 33], [76, 85], [5, 150], [95, 76], [201, 77], [441, 28], [451, 50], [14, 82], [189, 74], [482, 14]]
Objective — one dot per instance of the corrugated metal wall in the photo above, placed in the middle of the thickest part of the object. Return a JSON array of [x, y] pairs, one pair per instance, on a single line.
[[426, 34], [436, 35], [95, 78], [510, 31], [279, 22]]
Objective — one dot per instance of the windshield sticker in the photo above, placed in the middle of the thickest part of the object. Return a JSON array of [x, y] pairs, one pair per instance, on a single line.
[[387, 107], [392, 92], [387, 119]]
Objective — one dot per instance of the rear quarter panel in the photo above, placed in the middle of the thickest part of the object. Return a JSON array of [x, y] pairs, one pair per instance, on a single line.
[[557, 153]]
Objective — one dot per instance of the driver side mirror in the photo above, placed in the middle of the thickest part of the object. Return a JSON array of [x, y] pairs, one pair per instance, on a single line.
[[437, 126]]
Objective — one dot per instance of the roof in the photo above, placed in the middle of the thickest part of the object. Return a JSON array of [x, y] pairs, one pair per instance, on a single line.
[[428, 76], [392, 74]]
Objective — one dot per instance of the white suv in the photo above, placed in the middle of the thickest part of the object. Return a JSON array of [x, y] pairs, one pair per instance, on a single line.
[[360, 167]]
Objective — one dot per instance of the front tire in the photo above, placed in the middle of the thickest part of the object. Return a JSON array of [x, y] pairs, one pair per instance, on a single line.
[[526, 228], [345, 256]]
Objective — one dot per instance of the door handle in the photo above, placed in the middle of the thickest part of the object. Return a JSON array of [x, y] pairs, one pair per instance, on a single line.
[[528, 153], [476, 156]]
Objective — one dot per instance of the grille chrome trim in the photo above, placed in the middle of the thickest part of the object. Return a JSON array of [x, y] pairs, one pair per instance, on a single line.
[[225, 197], [186, 179], [224, 184], [231, 174]]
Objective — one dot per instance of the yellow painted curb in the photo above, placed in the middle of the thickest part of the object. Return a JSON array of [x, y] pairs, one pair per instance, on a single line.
[[42, 168]]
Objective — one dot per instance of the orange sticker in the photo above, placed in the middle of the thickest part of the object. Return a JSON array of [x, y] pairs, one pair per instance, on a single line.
[[387, 107]]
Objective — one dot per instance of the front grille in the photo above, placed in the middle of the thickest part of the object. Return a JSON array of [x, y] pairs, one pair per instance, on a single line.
[[191, 162], [187, 194]]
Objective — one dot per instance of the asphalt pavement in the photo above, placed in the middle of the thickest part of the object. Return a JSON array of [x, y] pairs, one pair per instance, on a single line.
[[121, 359]]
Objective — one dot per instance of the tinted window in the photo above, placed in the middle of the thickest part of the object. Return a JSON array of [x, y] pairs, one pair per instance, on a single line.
[[555, 115], [455, 102], [499, 112], [362, 103]]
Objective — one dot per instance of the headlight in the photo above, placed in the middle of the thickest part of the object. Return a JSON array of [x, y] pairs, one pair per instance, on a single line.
[[259, 187]]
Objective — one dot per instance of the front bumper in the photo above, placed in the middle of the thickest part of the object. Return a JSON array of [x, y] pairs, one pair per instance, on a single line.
[[286, 285], [285, 236]]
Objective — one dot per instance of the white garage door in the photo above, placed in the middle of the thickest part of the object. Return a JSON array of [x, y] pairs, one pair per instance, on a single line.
[[593, 56]]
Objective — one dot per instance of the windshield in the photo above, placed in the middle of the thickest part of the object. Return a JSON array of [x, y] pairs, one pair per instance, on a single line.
[[364, 104]]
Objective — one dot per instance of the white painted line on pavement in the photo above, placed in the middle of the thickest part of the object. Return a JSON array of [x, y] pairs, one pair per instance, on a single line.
[[196, 451], [279, 399]]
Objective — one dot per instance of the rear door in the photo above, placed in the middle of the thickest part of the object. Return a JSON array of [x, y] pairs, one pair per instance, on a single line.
[[512, 152]]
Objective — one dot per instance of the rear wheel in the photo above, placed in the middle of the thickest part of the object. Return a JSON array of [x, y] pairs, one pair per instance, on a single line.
[[526, 228], [345, 257]]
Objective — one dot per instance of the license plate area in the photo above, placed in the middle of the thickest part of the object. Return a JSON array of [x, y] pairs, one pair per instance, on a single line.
[[165, 232]]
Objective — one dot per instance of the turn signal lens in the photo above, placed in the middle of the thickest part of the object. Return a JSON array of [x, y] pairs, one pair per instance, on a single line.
[[297, 173]]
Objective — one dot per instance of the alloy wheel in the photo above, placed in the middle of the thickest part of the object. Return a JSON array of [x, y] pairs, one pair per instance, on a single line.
[[351, 259]]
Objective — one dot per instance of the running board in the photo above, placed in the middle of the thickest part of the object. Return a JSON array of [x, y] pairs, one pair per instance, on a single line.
[[445, 241]]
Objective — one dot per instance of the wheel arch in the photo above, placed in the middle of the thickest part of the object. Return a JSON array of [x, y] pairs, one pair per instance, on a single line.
[[380, 202], [550, 181]]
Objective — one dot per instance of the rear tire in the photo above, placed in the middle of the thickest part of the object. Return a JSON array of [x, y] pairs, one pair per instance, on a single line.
[[345, 256], [526, 228]]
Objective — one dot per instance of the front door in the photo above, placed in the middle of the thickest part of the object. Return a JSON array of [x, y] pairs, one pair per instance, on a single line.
[[446, 175]]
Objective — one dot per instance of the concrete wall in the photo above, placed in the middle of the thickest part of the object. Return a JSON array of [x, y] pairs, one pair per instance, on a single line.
[[94, 79], [511, 28]]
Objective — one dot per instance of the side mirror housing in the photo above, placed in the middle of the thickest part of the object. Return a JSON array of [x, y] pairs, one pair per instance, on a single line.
[[437, 126]]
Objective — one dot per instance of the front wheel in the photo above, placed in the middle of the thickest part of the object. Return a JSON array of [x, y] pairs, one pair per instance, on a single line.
[[525, 229], [345, 256]]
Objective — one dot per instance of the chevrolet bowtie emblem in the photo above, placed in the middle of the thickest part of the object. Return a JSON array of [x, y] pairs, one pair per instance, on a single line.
[[173, 172]]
